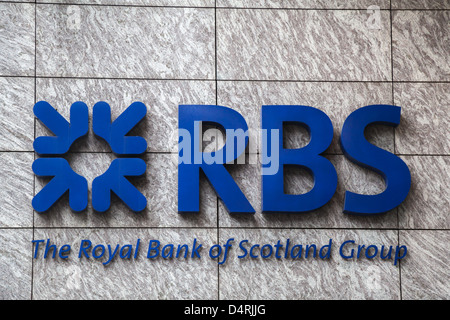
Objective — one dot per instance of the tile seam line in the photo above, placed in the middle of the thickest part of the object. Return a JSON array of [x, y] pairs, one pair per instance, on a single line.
[[118, 78], [395, 150], [217, 103], [392, 67], [206, 7], [393, 95], [34, 136], [226, 228], [116, 5], [172, 153], [216, 7], [227, 80], [327, 9], [219, 8]]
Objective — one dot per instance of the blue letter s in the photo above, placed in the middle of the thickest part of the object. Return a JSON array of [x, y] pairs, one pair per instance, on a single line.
[[356, 148]]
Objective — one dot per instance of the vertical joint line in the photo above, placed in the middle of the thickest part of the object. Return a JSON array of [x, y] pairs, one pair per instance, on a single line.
[[217, 198], [392, 64], [399, 268], [34, 136], [395, 151]]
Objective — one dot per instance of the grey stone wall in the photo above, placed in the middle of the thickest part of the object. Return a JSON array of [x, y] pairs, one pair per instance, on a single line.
[[333, 55]]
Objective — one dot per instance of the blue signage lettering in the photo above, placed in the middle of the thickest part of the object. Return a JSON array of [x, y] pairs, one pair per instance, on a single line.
[[191, 158], [320, 129], [394, 171], [189, 173]]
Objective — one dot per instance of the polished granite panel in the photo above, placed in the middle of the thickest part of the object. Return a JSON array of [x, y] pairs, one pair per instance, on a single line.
[[425, 127], [16, 189], [305, 4], [420, 4], [428, 203], [15, 264], [111, 41], [285, 45], [425, 272], [16, 114], [168, 3], [162, 98], [308, 279], [17, 39], [420, 45], [137, 278]]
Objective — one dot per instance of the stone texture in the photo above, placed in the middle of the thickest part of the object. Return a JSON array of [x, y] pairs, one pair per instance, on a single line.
[[136, 279], [162, 98], [425, 272], [16, 189], [337, 100], [17, 39], [420, 45], [16, 109], [304, 4], [125, 42], [159, 185], [420, 4], [428, 202], [174, 3], [297, 181], [15, 264], [301, 279], [425, 127], [284, 45], [166, 57]]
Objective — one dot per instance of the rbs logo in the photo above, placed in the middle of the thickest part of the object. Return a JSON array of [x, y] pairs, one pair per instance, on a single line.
[[65, 179], [191, 158]]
